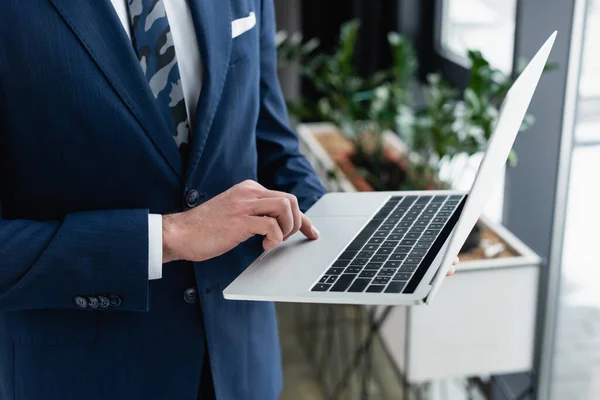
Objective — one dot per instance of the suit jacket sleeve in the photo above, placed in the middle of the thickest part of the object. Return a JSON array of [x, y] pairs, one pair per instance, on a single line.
[[45, 265], [281, 166]]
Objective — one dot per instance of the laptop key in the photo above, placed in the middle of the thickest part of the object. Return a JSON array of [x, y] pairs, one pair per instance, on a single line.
[[431, 232], [367, 274], [341, 263], [422, 245], [402, 276], [436, 226], [424, 199], [402, 249], [392, 221], [348, 255], [343, 283], [381, 280], [444, 214], [359, 261], [408, 201], [323, 279], [395, 287], [439, 199], [381, 234], [397, 257], [381, 215], [365, 254], [392, 264], [331, 279], [384, 251], [388, 273], [405, 224], [399, 231], [375, 241], [386, 227], [370, 248], [379, 258], [359, 285], [353, 270], [395, 237], [408, 268], [364, 235], [390, 243], [320, 287], [413, 260], [418, 253], [335, 271], [408, 242], [375, 288], [373, 266]]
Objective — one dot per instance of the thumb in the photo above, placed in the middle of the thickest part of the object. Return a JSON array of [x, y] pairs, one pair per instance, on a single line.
[[308, 229]]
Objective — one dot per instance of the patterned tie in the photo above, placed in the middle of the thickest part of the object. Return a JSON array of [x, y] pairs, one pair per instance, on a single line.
[[152, 40]]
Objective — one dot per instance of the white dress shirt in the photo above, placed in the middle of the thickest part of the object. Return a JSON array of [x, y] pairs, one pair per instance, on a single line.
[[190, 69]]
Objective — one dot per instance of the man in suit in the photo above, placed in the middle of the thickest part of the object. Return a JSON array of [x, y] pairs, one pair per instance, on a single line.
[[145, 161], [135, 133]]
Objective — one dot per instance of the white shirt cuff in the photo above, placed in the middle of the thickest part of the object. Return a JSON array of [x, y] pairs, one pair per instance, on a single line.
[[155, 246]]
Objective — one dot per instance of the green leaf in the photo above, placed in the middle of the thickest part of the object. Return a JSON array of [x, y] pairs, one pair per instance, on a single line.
[[512, 159]]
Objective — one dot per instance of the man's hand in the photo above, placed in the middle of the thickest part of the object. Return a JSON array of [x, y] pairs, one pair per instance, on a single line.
[[231, 218], [452, 269]]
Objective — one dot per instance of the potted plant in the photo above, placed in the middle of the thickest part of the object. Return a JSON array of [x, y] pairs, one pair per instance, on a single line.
[[370, 115]]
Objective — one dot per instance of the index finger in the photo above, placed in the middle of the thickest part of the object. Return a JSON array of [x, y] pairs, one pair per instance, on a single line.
[[308, 228]]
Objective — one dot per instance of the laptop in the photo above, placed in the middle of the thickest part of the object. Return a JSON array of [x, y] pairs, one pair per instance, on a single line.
[[387, 248]]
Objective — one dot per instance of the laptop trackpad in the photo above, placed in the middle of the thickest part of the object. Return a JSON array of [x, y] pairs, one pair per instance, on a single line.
[[293, 266]]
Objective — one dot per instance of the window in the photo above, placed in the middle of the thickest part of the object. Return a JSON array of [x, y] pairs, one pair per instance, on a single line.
[[576, 365], [484, 25], [587, 131]]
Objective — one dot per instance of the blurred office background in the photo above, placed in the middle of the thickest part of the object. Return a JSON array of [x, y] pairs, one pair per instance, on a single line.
[[548, 200]]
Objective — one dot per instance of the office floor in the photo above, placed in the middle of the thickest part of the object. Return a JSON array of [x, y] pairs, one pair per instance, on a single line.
[[300, 382]]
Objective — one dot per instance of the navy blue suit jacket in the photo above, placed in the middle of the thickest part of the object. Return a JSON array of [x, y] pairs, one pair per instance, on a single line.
[[84, 157]]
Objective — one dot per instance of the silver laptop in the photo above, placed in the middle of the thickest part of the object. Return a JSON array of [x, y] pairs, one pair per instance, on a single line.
[[387, 248]]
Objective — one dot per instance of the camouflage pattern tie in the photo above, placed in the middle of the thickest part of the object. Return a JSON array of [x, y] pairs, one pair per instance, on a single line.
[[153, 43]]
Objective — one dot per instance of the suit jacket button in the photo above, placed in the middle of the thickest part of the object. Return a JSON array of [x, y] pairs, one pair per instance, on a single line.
[[192, 197], [190, 295], [115, 301], [103, 302], [81, 302], [92, 302]]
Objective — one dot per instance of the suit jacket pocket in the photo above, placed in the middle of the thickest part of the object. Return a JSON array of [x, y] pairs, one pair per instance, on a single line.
[[49, 327], [246, 41]]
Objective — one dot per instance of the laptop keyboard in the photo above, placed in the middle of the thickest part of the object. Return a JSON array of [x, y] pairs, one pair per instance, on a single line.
[[393, 251]]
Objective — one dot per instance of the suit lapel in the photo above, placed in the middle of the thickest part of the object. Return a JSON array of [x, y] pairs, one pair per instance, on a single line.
[[212, 20], [98, 28]]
